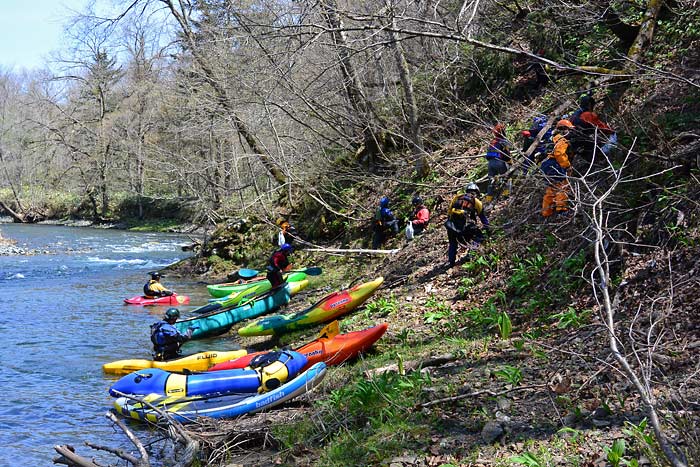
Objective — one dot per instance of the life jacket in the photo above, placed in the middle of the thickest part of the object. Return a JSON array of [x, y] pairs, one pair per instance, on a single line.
[[382, 216], [464, 207], [498, 149], [278, 261], [164, 345], [552, 170], [147, 289], [545, 145]]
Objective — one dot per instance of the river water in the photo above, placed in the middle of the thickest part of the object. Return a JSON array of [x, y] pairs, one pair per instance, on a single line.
[[61, 318]]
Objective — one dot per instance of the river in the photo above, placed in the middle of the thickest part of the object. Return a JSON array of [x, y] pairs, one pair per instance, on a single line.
[[63, 317]]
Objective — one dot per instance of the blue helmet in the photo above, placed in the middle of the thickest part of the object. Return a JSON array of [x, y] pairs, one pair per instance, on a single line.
[[286, 247], [384, 202]]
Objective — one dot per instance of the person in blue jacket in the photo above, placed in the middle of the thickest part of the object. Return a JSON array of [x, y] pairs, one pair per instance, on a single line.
[[166, 338], [498, 158], [383, 224]]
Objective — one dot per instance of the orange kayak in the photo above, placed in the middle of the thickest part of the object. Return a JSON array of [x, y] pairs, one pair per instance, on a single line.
[[333, 351]]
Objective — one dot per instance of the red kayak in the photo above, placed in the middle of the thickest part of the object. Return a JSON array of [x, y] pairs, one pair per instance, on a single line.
[[331, 350], [173, 299]]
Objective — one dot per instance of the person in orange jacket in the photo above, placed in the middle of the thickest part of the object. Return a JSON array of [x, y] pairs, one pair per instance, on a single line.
[[555, 168]]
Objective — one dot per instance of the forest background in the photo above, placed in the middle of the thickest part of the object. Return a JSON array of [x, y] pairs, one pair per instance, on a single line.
[[237, 113]]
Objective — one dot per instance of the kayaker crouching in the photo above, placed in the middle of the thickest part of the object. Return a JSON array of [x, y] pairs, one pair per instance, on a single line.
[[166, 339], [279, 263], [153, 288]]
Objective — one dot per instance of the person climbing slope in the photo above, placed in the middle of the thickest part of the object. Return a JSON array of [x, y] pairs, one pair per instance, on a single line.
[[383, 224], [421, 216], [590, 129], [498, 158], [555, 169], [461, 221]]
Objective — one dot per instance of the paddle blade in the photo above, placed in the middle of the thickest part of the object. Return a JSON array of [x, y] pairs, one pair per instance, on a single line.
[[312, 271], [330, 330], [247, 273]]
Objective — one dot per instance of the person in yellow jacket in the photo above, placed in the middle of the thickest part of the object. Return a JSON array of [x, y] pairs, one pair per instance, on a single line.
[[461, 221], [556, 167], [153, 288]]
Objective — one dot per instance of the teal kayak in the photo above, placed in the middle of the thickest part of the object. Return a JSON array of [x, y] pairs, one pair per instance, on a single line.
[[263, 285], [220, 321]]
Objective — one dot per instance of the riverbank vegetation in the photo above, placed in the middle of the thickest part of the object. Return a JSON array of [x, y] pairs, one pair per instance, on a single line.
[[560, 342]]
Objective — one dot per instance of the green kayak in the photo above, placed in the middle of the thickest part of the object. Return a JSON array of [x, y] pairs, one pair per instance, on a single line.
[[220, 321], [262, 285]]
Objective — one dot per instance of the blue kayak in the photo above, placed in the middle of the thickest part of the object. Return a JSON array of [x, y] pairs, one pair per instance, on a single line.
[[187, 409], [262, 376]]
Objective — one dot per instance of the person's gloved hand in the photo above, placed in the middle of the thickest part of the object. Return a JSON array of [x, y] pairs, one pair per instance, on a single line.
[[189, 332]]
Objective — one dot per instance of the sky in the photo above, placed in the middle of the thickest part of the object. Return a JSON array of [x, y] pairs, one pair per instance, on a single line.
[[31, 29]]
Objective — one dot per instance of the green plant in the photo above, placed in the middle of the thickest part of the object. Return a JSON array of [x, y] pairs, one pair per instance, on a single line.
[[528, 459], [436, 310], [383, 306], [570, 318], [615, 453], [504, 325], [510, 374]]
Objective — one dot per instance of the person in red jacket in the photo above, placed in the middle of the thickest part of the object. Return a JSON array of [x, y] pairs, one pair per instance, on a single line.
[[590, 129], [279, 263], [421, 216]]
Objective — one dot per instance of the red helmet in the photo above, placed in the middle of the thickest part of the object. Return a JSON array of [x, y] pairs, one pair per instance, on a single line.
[[499, 129]]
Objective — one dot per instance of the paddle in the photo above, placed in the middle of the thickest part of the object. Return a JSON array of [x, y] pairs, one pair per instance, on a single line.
[[330, 330], [250, 273]]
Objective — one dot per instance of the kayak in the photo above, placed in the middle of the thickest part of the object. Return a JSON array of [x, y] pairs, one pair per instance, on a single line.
[[237, 298], [173, 299], [186, 409], [274, 371], [220, 321], [223, 290], [326, 309], [197, 362], [330, 350]]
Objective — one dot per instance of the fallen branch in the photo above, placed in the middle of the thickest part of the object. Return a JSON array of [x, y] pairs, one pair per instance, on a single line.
[[69, 457], [481, 393], [413, 365]]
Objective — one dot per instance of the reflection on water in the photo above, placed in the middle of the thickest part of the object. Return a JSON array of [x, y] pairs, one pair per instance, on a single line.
[[61, 318]]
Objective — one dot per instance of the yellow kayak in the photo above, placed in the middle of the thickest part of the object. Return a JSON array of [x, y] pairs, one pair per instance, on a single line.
[[197, 362]]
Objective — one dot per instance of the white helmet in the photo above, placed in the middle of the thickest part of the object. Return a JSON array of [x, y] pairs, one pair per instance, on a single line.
[[471, 186]]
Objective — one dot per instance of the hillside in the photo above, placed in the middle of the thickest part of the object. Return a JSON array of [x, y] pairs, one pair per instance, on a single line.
[[563, 340]]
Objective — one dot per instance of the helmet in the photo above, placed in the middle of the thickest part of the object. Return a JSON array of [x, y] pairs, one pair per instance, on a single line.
[[471, 186], [499, 129], [417, 200], [286, 247], [155, 275], [565, 124], [586, 102], [384, 202], [171, 313]]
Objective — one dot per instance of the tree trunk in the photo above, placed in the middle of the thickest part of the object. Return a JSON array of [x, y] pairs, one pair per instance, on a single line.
[[224, 101], [421, 163], [646, 32], [17, 217]]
